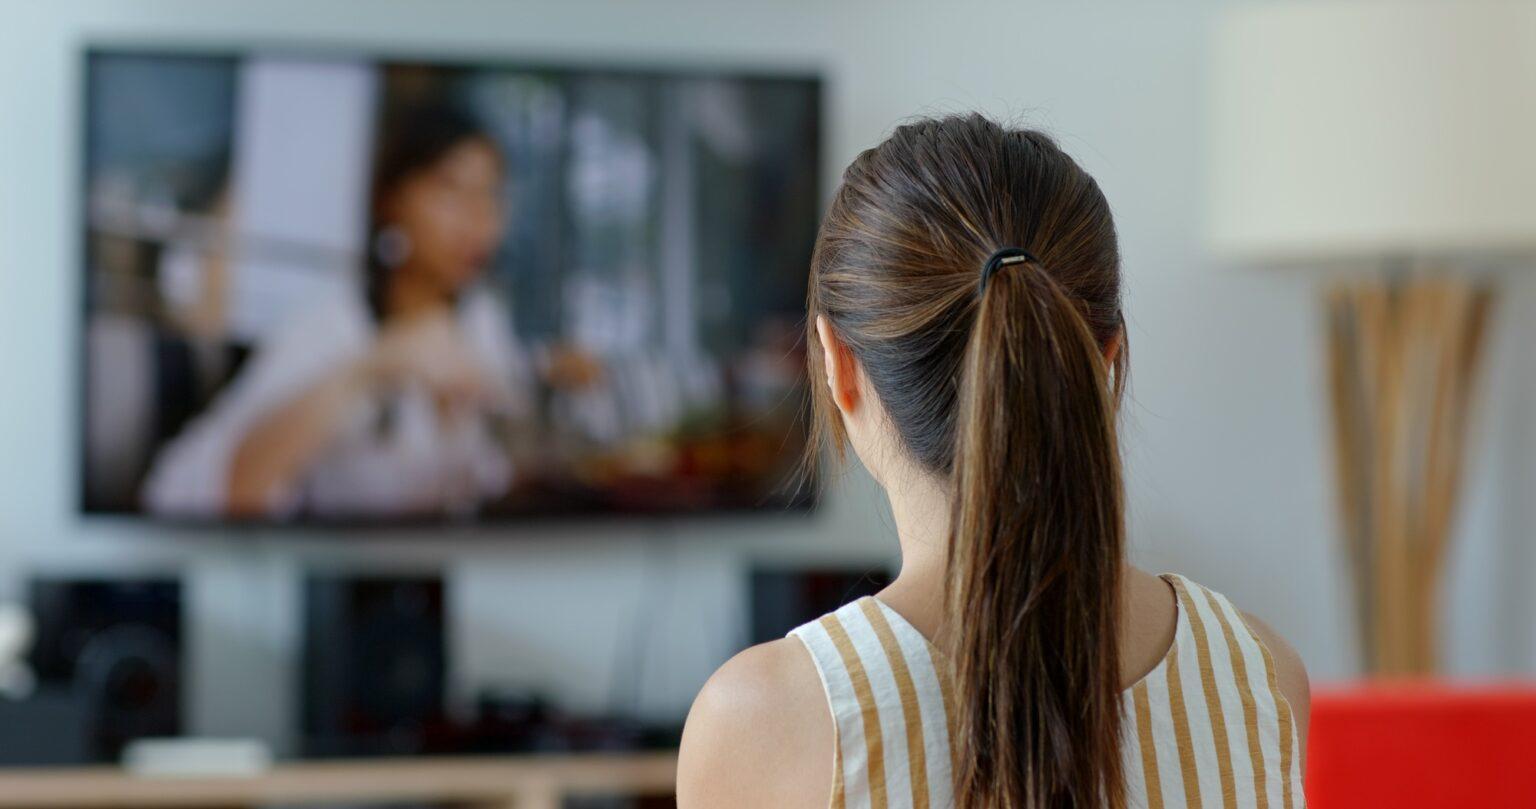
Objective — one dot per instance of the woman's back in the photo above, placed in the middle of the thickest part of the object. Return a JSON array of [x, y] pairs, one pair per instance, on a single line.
[[1207, 726]]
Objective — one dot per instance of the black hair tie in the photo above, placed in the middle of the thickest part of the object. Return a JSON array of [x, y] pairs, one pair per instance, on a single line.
[[1005, 257]]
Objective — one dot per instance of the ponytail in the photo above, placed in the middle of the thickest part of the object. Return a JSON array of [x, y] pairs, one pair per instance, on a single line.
[[1035, 557], [998, 387]]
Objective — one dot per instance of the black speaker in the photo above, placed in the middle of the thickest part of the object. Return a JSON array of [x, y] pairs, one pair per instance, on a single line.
[[374, 665], [783, 599], [115, 644]]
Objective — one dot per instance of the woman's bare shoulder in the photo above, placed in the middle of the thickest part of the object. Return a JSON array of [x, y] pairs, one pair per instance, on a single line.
[[759, 734]]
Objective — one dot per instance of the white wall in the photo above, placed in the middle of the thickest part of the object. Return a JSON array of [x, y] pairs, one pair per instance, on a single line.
[[1226, 434]]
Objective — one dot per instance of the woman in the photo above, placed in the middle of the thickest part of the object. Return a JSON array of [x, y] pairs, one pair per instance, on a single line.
[[379, 401], [965, 299]]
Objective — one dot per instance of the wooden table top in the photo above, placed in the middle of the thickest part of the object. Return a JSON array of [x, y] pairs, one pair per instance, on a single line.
[[496, 780]]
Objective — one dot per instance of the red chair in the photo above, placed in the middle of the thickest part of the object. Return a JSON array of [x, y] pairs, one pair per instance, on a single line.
[[1422, 745]]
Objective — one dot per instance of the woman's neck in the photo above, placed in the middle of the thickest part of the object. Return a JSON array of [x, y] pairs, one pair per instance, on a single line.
[[412, 293], [920, 504]]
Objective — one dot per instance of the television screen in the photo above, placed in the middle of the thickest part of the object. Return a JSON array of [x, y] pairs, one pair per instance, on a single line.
[[341, 289]]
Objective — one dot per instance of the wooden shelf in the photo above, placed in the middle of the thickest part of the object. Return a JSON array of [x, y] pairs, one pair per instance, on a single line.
[[511, 782]]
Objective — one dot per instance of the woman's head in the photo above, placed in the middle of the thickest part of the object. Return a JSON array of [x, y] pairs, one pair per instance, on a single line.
[[437, 198], [1002, 392], [898, 263]]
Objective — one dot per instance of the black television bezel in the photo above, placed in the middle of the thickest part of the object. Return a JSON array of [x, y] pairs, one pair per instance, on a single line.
[[800, 499]]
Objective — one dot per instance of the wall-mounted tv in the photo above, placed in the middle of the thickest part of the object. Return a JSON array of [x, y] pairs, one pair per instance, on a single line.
[[331, 288]]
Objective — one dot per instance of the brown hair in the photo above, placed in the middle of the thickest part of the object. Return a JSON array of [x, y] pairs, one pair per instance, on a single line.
[[1001, 388]]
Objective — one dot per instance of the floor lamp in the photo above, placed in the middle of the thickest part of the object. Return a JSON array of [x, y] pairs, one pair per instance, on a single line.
[[1388, 148]]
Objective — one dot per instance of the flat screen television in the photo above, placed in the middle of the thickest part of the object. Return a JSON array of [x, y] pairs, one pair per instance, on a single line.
[[332, 288]]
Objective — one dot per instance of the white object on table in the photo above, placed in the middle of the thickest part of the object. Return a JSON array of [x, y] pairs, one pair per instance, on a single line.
[[196, 758]]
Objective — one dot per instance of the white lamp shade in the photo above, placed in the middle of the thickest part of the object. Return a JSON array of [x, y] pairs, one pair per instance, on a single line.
[[1350, 129]]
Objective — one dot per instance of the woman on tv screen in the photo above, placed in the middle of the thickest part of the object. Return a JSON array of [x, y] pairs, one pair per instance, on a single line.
[[383, 399]]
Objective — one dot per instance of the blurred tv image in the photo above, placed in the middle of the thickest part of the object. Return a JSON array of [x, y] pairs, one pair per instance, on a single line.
[[337, 289]]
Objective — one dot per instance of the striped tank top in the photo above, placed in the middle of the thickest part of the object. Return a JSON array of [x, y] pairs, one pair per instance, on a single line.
[[1207, 727]]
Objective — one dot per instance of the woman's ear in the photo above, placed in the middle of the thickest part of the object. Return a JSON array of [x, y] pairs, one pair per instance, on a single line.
[[842, 371]]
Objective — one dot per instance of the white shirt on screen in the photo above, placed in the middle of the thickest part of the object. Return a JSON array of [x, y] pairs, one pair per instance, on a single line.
[[391, 455]]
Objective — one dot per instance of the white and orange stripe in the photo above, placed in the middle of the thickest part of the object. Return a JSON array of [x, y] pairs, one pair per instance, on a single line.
[[1207, 728]]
